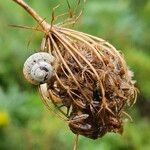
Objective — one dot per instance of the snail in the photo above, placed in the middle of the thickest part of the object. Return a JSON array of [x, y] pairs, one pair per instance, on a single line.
[[38, 68]]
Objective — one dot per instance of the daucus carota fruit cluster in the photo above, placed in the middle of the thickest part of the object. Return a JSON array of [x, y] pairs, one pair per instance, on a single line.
[[91, 79], [89, 83]]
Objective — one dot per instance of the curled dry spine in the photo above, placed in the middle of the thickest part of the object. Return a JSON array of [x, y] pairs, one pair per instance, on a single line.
[[90, 85]]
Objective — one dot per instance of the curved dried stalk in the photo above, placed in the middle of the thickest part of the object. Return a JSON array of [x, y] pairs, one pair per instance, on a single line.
[[45, 26], [45, 101], [76, 142]]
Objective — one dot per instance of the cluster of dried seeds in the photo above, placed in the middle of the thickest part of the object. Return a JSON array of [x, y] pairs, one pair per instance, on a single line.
[[91, 81]]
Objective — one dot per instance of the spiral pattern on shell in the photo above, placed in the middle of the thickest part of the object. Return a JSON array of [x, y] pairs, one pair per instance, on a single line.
[[38, 68]]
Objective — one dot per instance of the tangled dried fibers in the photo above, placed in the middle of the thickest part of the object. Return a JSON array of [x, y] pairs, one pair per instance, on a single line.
[[91, 80]]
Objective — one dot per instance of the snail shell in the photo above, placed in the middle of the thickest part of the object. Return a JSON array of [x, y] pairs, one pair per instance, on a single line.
[[38, 69]]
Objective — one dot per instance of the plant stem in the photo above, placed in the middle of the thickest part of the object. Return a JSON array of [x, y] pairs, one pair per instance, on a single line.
[[76, 142], [45, 26]]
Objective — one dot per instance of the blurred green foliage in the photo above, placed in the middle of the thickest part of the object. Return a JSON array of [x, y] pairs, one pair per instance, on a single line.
[[24, 121]]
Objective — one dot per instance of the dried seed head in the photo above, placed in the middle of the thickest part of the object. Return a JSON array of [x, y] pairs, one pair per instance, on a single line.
[[91, 78]]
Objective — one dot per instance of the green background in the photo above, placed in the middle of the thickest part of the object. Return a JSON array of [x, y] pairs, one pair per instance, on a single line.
[[25, 123]]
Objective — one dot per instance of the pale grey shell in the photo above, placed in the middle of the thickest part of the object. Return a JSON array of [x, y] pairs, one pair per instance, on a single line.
[[38, 69]]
